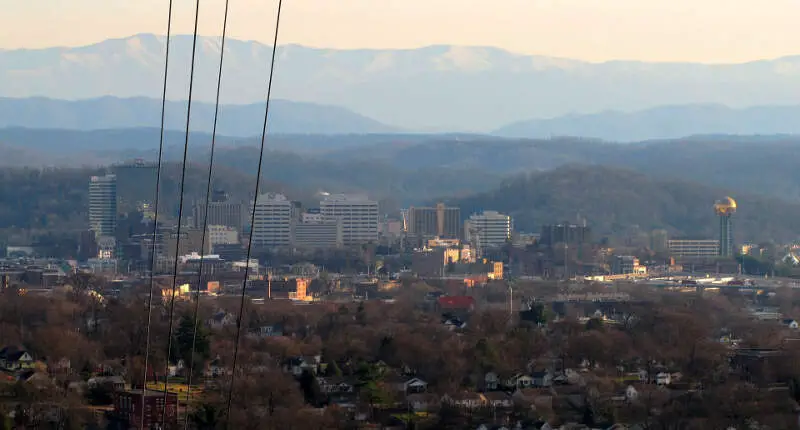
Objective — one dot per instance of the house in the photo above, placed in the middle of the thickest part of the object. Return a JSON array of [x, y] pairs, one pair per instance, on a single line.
[[114, 383], [465, 399], [15, 358], [519, 380], [275, 330], [454, 324], [221, 319], [406, 385], [541, 378], [629, 394], [498, 399], [297, 365], [422, 402], [334, 385], [792, 324], [214, 368], [663, 378], [36, 378], [491, 381]]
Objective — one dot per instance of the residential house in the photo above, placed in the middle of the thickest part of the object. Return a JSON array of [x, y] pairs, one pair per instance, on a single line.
[[454, 324], [491, 381], [221, 319], [215, 369], [628, 394], [519, 380], [335, 385], [406, 385], [14, 358], [663, 378], [541, 378], [465, 399], [297, 365], [275, 330], [114, 383], [498, 400]]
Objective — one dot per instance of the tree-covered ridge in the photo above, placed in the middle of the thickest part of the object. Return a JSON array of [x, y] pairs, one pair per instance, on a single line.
[[613, 200]]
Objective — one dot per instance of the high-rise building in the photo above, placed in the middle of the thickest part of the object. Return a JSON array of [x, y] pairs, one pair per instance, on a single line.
[[272, 226], [220, 212], [724, 209], [440, 221], [571, 234], [357, 214], [103, 205], [489, 229], [136, 183]]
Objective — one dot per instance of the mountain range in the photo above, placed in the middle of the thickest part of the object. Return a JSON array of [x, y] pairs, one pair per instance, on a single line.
[[234, 120], [442, 88]]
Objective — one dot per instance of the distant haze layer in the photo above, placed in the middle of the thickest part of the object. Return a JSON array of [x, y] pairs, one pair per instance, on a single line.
[[438, 88]]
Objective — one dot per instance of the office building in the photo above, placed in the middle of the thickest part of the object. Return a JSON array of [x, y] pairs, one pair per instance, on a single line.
[[318, 234], [136, 183], [272, 227], [357, 214], [222, 235], [220, 212], [693, 248], [489, 229], [439, 221], [570, 234], [103, 205]]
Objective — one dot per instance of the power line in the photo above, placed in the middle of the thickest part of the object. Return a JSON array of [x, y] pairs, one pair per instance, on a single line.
[[253, 215], [205, 215], [180, 209], [155, 207]]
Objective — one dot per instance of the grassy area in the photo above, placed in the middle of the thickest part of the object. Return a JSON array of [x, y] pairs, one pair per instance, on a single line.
[[182, 390]]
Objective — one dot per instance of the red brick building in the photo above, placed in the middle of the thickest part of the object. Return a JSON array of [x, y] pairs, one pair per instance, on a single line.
[[128, 407]]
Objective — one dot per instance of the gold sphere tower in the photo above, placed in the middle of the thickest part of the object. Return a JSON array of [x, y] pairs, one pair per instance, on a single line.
[[724, 209]]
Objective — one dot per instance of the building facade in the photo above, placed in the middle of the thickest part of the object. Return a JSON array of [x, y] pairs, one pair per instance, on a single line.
[[357, 214], [103, 205], [226, 213], [693, 248], [440, 221], [489, 229], [272, 226]]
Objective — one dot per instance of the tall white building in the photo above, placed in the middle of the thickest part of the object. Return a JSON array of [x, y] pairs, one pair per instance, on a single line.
[[488, 229], [272, 226], [103, 205], [357, 214]]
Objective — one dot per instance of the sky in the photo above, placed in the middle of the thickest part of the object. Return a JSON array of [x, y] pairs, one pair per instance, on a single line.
[[709, 31]]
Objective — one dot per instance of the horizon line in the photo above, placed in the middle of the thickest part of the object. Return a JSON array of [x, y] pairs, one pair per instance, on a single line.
[[421, 47]]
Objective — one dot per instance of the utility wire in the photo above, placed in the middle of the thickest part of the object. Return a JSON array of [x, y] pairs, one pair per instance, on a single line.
[[180, 210], [155, 208], [205, 215], [253, 216]]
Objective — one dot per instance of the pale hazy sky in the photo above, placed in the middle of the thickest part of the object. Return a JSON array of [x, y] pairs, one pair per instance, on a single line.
[[659, 30]]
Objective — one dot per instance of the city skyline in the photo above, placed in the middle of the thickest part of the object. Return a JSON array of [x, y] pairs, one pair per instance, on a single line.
[[610, 30]]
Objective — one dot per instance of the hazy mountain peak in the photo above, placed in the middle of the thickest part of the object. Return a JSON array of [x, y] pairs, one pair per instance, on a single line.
[[439, 87]]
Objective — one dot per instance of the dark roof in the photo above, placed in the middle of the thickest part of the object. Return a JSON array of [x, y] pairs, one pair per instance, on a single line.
[[12, 353]]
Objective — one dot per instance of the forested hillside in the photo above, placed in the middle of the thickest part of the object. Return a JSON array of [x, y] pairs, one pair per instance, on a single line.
[[612, 200]]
